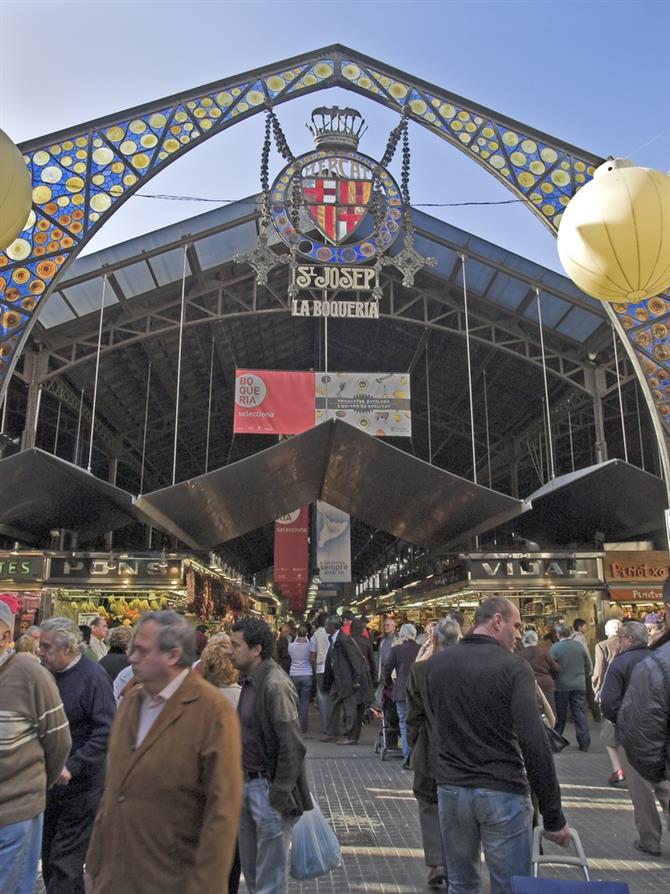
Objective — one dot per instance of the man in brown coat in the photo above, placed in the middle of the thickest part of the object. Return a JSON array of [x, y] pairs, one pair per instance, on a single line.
[[169, 816]]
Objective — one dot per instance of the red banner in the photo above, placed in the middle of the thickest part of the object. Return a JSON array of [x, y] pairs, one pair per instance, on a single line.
[[295, 594], [291, 566], [268, 402]]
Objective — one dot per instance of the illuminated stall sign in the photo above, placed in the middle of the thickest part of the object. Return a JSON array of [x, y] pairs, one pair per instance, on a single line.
[[96, 571], [15, 568]]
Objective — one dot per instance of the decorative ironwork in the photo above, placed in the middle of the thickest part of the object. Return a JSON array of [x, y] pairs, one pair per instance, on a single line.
[[82, 175]]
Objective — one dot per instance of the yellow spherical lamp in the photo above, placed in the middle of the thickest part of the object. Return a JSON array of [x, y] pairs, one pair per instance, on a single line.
[[614, 237], [16, 193]]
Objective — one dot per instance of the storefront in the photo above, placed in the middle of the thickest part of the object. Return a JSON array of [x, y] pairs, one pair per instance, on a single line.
[[547, 587], [635, 583], [119, 587], [21, 578]]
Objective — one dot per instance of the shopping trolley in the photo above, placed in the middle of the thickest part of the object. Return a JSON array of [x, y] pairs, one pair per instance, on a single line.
[[537, 885]]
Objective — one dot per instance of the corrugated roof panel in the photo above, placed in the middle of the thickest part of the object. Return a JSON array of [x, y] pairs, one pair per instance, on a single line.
[[169, 266], [553, 309], [86, 296], [55, 312], [445, 257], [135, 279], [221, 247], [507, 291], [477, 276], [579, 324]]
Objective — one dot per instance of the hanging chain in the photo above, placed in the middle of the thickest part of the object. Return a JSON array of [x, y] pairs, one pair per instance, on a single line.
[[265, 172], [404, 181]]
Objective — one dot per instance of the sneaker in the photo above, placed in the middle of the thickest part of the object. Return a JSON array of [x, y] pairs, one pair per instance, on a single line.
[[617, 777], [346, 742], [645, 850]]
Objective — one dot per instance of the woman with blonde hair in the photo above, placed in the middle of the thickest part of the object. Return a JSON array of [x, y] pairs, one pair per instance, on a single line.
[[216, 667], [26, 643]]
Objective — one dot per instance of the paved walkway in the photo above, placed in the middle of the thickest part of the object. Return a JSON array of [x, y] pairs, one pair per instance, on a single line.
[[373, 812]]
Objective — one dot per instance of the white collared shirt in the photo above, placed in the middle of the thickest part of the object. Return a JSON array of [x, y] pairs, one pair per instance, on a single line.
[[152, 705]]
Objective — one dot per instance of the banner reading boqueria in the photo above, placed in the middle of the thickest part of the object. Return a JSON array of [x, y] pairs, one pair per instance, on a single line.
[[333, 544], [287, 403]]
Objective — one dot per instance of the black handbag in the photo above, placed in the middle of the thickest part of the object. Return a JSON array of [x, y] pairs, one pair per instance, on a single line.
[[557, 742]]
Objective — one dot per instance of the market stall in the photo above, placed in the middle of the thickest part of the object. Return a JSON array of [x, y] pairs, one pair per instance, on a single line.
[[635, 583]]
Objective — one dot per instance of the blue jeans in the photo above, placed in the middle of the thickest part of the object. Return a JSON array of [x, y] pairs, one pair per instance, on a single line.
[[20, 846], [498, 821], [401, 708], [265, 838], [576, 699], [303, 686]]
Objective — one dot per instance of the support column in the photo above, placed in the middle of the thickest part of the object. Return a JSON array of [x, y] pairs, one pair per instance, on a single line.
[[35, 368], [595, 383], [514, 469]]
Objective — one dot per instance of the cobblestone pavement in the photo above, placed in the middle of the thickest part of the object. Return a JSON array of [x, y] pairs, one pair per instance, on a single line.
[[371, 808], [373, 812]]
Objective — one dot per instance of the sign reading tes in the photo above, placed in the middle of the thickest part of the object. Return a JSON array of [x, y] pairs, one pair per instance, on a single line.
[[15, 567]]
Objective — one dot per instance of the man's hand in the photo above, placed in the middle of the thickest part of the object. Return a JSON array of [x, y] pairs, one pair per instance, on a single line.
[[561, 837], [64, 778], [88, 883]]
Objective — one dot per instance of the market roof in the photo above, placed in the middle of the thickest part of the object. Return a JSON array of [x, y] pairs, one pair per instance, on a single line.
[[609, 501], [232, 322], [350, 469]]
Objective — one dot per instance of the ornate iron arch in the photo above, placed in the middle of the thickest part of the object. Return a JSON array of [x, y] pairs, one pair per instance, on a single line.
[[83, 174]]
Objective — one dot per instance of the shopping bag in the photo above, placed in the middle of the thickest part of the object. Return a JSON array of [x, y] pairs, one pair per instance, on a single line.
[[315, 849], [557, 742], [523, 885]]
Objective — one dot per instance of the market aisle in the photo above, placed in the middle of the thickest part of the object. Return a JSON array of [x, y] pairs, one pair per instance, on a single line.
[[373, 812]]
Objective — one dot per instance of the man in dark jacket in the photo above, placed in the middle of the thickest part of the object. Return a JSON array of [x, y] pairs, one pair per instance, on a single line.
[[345, 679], [490, 736], [273, 757], [422, 739], [402, 657], [281, 652], [633, 638], [73, 801], [643, 721]]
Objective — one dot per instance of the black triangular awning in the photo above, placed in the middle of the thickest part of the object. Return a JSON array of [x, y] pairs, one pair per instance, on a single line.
[[360, 474], [40, 492], [614, 498]]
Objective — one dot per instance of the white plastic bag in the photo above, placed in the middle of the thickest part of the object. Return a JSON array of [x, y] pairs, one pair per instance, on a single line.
[[315, 849]]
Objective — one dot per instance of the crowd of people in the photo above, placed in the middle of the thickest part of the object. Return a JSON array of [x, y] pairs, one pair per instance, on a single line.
[[159, 758]]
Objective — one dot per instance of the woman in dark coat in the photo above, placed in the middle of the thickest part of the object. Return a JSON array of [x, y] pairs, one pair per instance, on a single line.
[[117, 658], [545, 667]]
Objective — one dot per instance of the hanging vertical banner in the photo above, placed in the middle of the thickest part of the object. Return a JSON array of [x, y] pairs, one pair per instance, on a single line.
[[333, 544], [291, 547]]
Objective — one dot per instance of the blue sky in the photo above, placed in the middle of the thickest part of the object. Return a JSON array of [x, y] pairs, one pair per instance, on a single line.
[[592, 73]]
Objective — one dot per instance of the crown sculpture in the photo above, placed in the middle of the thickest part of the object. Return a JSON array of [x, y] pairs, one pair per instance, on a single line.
[[336, 127]]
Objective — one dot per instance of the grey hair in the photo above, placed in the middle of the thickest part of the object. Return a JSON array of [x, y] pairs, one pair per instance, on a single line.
[[407, 631], [530, 638], [612, 627], [32, 627], [494, 605], [636, 631], [334, 621], [563, 631], [447, 632], [96, 622], [67, 635], [175, 633]]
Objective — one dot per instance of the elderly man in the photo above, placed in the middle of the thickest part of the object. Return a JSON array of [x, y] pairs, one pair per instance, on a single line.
[[168, 818], [346, 681], [273, 760], [491, 743], [633, 638], [643, 720], [72, 803], [97, 646], [422, 739], [34, 745]]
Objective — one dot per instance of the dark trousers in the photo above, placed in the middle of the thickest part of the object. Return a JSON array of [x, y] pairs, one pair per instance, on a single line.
[[576, 700], [68, 823], [235, 872], [352, 709]]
